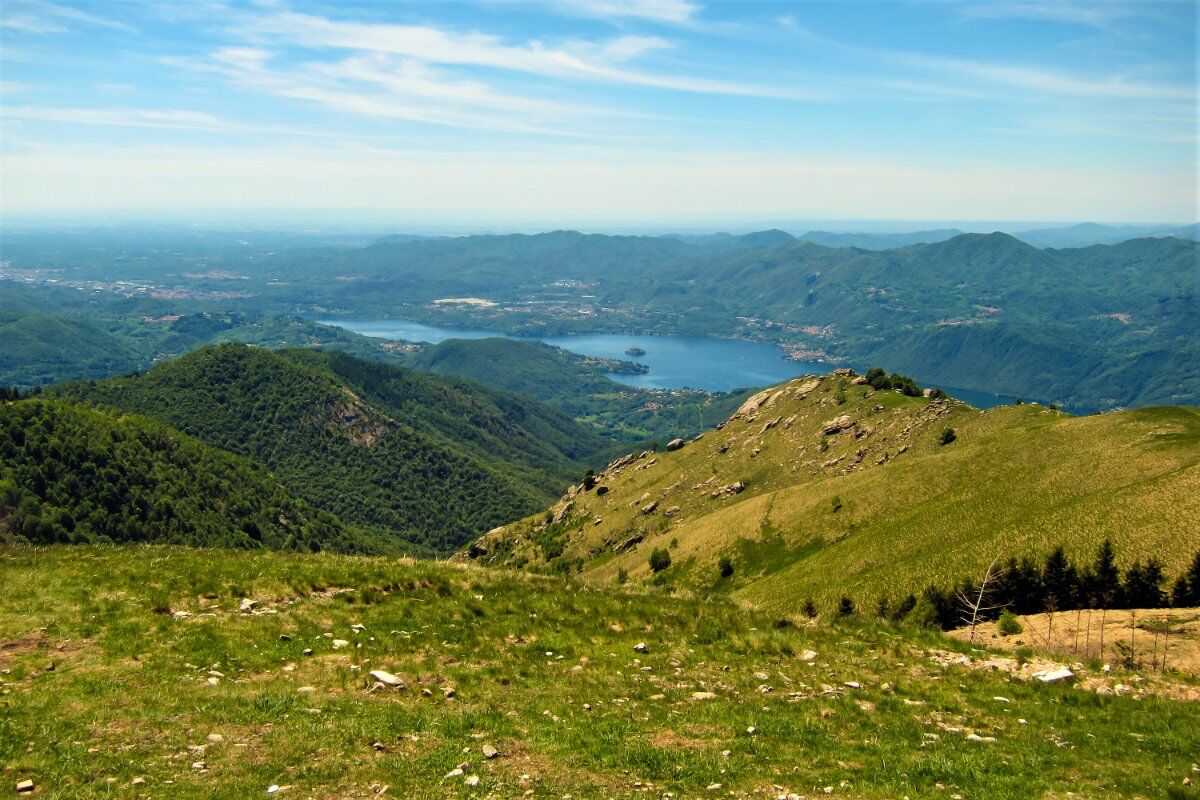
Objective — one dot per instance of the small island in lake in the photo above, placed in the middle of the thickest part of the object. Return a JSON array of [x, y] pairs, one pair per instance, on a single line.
[[635, 351]]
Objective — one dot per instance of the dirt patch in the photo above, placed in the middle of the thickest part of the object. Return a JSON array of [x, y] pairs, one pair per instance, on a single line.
[[1155, 640]]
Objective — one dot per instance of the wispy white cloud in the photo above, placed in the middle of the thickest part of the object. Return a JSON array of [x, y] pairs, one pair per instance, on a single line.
[[598, 62], [382, 86], [167, 119], [670, 11], [1096, 14], [46, 18]]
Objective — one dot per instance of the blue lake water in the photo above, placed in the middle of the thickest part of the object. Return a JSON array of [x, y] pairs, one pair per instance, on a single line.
[[675, 362]]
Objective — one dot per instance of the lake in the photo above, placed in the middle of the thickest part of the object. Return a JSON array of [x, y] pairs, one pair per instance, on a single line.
[[675, 362]]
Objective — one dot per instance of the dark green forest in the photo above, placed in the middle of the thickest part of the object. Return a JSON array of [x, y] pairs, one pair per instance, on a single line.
[[71, 473], [420, 459]]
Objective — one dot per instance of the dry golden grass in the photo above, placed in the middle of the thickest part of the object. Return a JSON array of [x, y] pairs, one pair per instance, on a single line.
[[1156, 638]]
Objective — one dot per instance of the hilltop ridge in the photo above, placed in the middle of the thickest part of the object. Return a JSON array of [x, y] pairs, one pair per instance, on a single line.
[[824, 486]]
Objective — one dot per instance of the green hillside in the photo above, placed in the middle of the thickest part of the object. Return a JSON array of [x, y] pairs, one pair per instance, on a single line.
[[70, 473], [878, 506], [132, 672], [579, 387], [413, 458]]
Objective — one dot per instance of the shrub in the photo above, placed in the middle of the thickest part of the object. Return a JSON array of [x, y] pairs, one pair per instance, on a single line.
[[725, 567], [845, 607], [660, 559], [1009, 625], [809, 608], [622, 575], [947, 436]]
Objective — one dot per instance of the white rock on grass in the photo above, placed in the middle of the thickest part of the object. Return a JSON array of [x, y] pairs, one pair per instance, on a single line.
[[489, 751], [386, 678], [1055, 675]]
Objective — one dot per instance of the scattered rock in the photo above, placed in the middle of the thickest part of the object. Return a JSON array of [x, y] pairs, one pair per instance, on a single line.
[[703, 696], [674, 444], [808, 655], [641, 647], [1055, 675], [737, 487], [386, 678], [837, 425], [630, 543], [338, 644], [449, 691], [471, 780], [247, 605], [25, 786], [649, 507], [489, 751], [975, 737]]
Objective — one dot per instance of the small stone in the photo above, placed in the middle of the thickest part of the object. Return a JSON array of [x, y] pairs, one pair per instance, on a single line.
[[24, 786], [216, 738], [713, 787], [752, 730], [138, 781], [273, 788], [641, 647], [454, 773], [247, 605], [1055, 675], [339, 643], [307, 651], [283, 637], [1000, 699], [975, 737], [199, 765], [703, 696], [386, 678], [449, 691], [853, 684], [358, 627], [808, 655], [471, 780], [489, 751]]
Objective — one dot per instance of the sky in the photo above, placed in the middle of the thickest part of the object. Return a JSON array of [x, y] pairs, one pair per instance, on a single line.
[[638, 112]]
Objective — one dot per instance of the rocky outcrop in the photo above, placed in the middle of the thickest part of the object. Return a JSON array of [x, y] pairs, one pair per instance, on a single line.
[[729, 489], [837, 425]]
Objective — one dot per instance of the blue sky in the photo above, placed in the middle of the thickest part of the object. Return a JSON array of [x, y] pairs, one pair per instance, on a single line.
[[602, 111]]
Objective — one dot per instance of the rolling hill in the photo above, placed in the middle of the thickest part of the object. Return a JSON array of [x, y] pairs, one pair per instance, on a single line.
[[824, 487], [426, 460], [71, 473]]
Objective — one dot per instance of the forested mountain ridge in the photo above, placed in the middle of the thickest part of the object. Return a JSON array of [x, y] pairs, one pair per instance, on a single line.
[[72, 473], [411, 458]]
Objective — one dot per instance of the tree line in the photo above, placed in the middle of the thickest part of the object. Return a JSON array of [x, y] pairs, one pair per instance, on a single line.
[[1026, 586]]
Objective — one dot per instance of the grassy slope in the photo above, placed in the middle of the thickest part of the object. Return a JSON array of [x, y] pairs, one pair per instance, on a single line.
[[415, 457], [1017, 481], [99, 688]]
